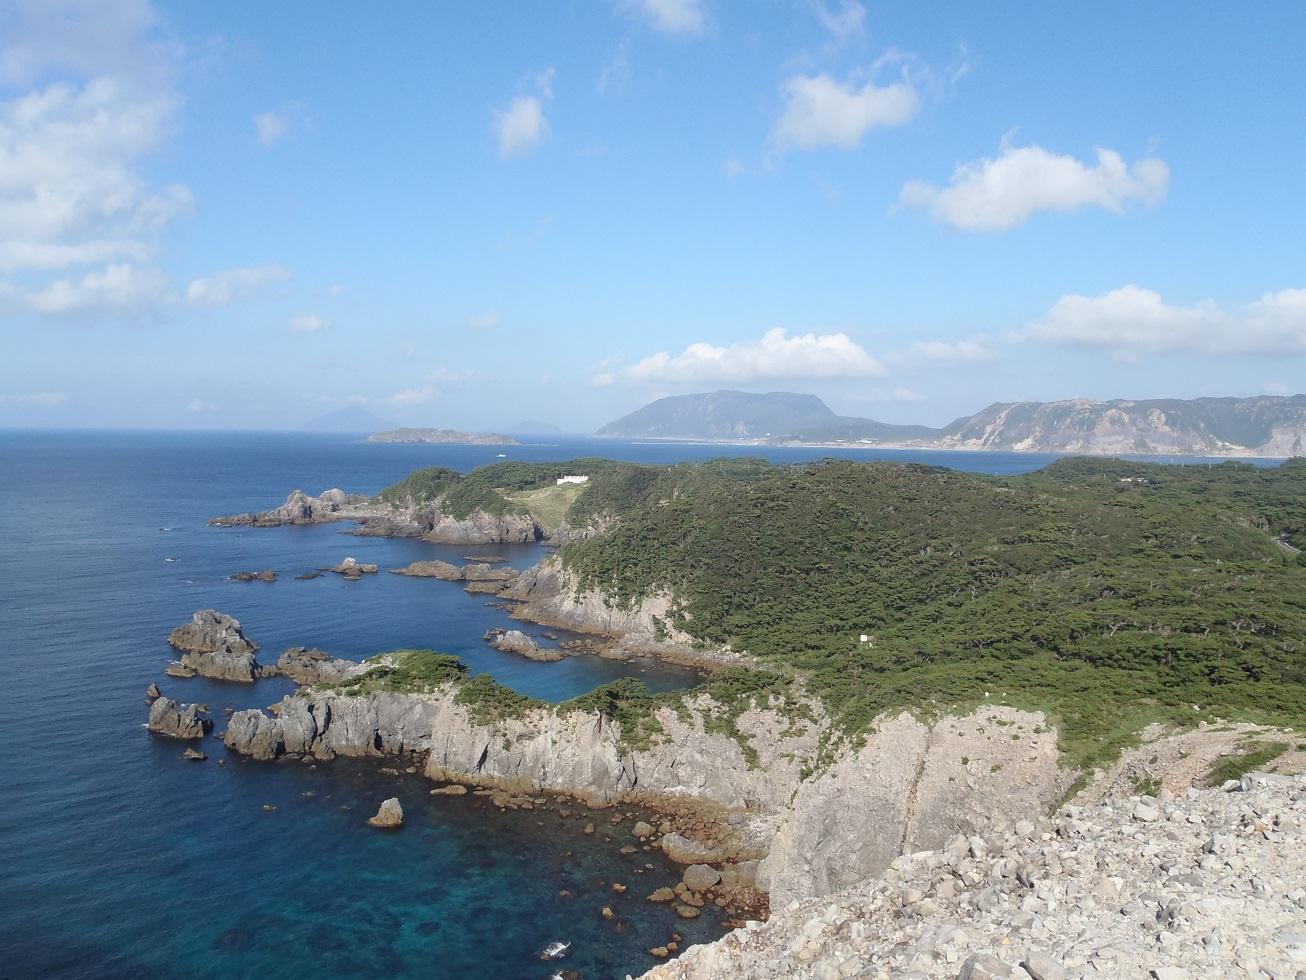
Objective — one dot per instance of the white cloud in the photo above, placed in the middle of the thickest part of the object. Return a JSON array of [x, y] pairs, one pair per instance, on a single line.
[[484, 321], [270, 127], [963, 351], [230, 285], [99, 98], [198, 406], [775, 356], [40, 399], [522, 126], [118, 289], [906, 395], [1003, 192], [821, 111], [674, 16], [429, 389], [308, 323], [1131, 320], [335, 289]]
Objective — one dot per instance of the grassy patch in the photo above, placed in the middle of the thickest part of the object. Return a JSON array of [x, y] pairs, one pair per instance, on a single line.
[[547, 505], [1257, 755]]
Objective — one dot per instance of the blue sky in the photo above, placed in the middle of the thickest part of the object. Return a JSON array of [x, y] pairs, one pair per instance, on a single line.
[[244, 215]]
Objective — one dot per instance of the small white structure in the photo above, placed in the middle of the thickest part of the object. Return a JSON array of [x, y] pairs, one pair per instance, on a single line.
[[572, 479]]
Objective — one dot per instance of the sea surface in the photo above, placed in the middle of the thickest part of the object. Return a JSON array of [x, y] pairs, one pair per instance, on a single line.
[[119, 859]]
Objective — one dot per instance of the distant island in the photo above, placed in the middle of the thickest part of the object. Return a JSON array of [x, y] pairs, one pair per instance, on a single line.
[[445, 437], [1266, 425]]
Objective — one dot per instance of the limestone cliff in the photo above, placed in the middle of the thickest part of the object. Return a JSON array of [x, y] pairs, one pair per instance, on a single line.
[[907, 787]]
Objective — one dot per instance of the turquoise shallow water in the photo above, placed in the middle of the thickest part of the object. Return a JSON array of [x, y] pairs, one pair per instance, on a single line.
[[118, 859]]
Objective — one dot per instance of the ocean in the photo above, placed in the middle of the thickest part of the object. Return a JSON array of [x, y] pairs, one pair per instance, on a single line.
[[119, 859]]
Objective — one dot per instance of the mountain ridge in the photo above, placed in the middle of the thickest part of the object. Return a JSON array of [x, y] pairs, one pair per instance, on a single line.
[[1259, 425]]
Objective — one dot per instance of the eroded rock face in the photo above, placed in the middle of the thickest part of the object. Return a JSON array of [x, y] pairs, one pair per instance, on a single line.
[[212, 644], [1213, 888], [326, 725], [169, 717], [312, 666]]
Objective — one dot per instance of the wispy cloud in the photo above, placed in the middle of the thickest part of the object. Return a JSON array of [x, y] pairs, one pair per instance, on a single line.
[[231, 285], [308, 323], [684, 17], [822, 111], [39, 399], [484, 321]]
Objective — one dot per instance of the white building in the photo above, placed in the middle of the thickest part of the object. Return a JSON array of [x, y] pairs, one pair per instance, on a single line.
[[573, 479]]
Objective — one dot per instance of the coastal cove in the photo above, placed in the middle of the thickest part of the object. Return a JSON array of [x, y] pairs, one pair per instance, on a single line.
[[191, 874]]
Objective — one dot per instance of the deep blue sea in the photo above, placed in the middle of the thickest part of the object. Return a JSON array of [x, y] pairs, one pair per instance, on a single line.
[[118, 859]]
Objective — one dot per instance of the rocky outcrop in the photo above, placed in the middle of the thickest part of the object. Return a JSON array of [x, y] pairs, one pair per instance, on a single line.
[[325, 725], [551, 595], [353, 569], [515, 641], [312, 666], [1205, 884], [389, 816], [450, 437], [169, 717], [434, 568], [213, 645], [267, 575], [301, 508], [431, 569]]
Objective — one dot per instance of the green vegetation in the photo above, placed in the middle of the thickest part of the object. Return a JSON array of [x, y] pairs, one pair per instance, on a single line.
[[488, 701], [406, 672], [1108, 604], [1257, 755]]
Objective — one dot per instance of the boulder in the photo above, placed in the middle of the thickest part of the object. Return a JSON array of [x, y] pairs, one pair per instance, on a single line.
[[983, 966], [642, 830], [663, 894], [194, 755], [168, 717], [389, 816], [453, 789], [515, 641], [152, 693], [682, 850], [700, 877], [213, 645]]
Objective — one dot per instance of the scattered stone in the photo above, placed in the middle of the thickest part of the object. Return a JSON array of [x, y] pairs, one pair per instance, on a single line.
[[687, 911], [390, 815], [983, 966], [1041, 966], [700, 877], [682, 850], [662, 895], [194, 755], [642, 830], [453, 789], [267, 575]]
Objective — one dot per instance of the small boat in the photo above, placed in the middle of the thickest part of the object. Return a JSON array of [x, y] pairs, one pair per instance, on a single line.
[[165, 529], [555, 950], [170, 559], [503, 455]]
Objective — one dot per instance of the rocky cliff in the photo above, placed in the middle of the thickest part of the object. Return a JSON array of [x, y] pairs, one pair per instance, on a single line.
[[212, 644], [905, 788], [402, 519], [1208, 883]]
